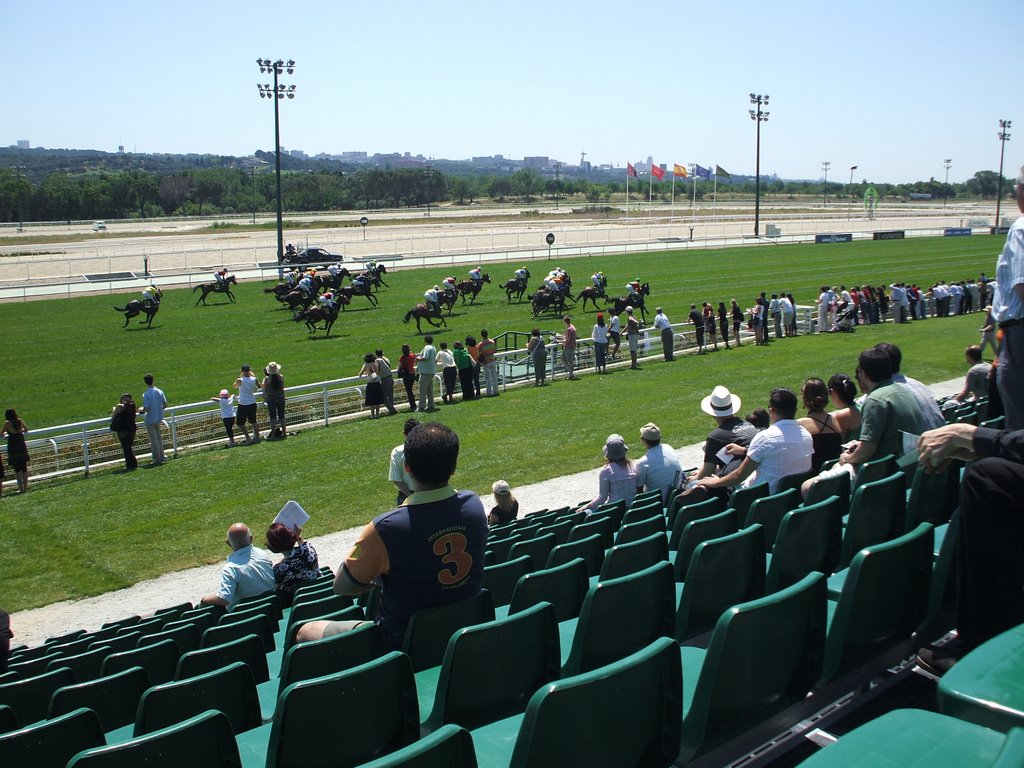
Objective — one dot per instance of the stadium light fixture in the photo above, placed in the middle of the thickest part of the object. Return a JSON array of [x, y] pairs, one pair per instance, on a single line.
[[276, 93], [758, 116], [945, 192], [1004, 136], [825, 165]]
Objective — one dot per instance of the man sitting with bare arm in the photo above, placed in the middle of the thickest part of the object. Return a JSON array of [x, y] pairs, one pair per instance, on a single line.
[[428, 552], [249, 570]]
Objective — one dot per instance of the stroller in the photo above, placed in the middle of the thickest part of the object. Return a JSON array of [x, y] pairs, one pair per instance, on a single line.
[[845, 317]]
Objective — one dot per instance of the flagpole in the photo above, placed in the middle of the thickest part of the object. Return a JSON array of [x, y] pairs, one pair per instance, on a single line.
[[693, 185], [673, 206], [650, 194], [714, 204], [627, 191]]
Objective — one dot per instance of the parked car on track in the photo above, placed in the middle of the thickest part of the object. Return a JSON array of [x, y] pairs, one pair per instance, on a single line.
[[313, 256]]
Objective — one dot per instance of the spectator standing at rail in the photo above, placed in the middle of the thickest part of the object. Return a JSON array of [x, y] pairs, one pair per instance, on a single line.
[[226, 403], [487, 351], [273, 396], [662, 324], [599, 335], [387, 380], [122, 423], [153, 404], [247, 385], [632, 337], [568, 342], [426, 367]]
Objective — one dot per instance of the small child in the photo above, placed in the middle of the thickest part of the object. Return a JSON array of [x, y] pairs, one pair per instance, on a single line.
[[226, 401]]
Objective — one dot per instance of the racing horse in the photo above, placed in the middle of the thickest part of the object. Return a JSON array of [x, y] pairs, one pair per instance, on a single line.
[[316, 314], [423, 312], [137, 307], [325, 281], [297, 298], [349, 291], [280, 289], [516, 286], [625, 301], [545, 299], [224, 288], [592, 293], [468, 286], [373, 276]]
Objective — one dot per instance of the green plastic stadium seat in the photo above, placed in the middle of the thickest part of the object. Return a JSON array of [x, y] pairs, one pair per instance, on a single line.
[[603, 525], [883, 600], [987, 685], [876, 515], [186, 637], [781, 636], [742, 498], [915, 738], [67, 637], [248, 650], [564, 586], [113, 698], [30, 697], [838, 485], [448, 747], [173, 612], [794, 481], [876, 469], [806, 540], [312, 609], [591, 549], [538, 548], [624, 559], [429, 630], [933, 497], [85, 665], [501, 579], [126, 642], [695, 533], [309, 728], [633, 717], [33, 667], [51, 742], [723, 572], [8, 720], [501, 547], [768, 512], [259, 625], [491, 670], [688, 513], [271, 609], [559, 529], [204, 741], [641, 529], [201, 621], [159, 661]]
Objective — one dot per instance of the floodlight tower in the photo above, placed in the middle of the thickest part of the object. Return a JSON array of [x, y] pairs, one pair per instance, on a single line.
[[945, 192], [1004, 136], [758, 117], [825, 165], [276, 93]]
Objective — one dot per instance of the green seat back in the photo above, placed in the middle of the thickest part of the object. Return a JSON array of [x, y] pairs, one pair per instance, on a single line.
[[687, 513], [491, 670], [72, 647], [697, 532], [186, 637], [764, 655], [603, 525], [501, 579], [633, 715], [312, 609], [641, 529], [51, 742], [34, 666], [324, 583], [876, 469], [742, 498], [942, 593], [309, 727], [230, 690], [723, 572], [270, 608], [564, 586], [807, 537], [448, 747], [114, 698], [30, 697], [248, 650], [933, 497], [876, 515], [173, 612], [559, 528], [146, 627], [259, 625], [794, 481], [768, 512], [201, 621], [624, 559], [538, 548], [8, 720], [616, 510], [125, 622], [429, 630], [352, 613], [621, 616], [837, 485], [159, 660], [591, 549], [125, 642], [269, 596], [331, 654], [501, 547], [85, 665], [883, 600], [644, 510], [204, 741]]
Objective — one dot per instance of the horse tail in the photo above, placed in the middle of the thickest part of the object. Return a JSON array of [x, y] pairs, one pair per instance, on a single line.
[[120, 309], [198, 286], [407, 316]]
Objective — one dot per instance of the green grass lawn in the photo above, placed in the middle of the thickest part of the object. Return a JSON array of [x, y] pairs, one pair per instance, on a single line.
[[68, 360]]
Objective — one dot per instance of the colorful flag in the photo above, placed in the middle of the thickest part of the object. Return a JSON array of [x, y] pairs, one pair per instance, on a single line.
[[657, 171], [720, 171], [701, 172], [680, 170], [630, 170]]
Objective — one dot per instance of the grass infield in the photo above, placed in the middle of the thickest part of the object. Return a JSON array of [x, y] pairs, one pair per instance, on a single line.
[[69, 360]]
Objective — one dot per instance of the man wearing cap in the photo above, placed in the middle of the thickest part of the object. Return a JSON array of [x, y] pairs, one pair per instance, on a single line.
[[784, 448], [248, 385], [1008, 310], [249, 570], [659, 467], [427, 552], [661, 323]]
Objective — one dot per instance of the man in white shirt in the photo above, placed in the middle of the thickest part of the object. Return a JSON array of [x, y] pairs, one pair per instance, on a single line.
[[249, 571], [661, 323], [659, 467], [783, 449], [397, 472], [248, 385], [426, 367]]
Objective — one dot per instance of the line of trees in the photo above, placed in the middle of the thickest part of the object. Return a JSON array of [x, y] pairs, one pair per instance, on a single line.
[[61, 196]]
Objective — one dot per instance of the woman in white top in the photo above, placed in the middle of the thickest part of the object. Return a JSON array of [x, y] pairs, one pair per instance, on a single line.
[[449, 372], [374, 390], [617, 478], [600, 337]]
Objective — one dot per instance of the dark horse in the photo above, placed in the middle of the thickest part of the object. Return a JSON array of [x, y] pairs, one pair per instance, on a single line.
[[545, 299], [314, 315], [224, 288], [135, 307], [423, 312], [516, 286], [349, 292], [297, 298], [280, 289], [624, 301], [592, 293], [373, 276], [468, 286], [325, 281]]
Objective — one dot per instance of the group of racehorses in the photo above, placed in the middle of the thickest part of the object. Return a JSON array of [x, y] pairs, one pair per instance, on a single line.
[[432, 313], [546, 299], [306, 306]]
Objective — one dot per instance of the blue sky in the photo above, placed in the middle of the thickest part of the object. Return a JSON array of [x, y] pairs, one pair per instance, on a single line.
[[893, 87]]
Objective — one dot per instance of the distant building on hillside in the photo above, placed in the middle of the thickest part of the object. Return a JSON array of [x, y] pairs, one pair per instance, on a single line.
[[24, 144], [538, 162]]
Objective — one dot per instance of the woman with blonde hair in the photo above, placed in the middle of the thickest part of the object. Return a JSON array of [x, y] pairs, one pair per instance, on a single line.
[[506, 506]]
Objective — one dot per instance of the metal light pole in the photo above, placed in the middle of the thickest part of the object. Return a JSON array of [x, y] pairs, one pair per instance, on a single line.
[[276, 93], [945, 193], [1004, 136], [758, 117], [825, 165], [21, 198], [849, 190], [253, 171]]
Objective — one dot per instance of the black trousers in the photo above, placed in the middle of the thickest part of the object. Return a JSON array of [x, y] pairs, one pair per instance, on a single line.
[[127, 438], [667, 343], [990, 550]]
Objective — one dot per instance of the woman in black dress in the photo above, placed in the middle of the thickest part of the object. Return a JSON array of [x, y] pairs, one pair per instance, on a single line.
[[723, 323], [122, 422], [374, 390], [737, 321], [17, 450]]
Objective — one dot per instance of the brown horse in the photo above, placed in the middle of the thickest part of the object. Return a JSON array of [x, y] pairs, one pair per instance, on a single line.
[[516, 286], [373, 276], [316, 314], [209, 288], [350, 291], [592, 293], [472, 288], [297, 298], [325, 281], [423, 312], [135, 307]]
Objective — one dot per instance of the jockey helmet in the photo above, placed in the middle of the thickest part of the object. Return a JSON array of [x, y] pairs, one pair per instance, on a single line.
[[437, 288]]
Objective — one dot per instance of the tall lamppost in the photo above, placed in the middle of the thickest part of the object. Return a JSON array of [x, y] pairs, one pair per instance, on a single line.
[[1004, 136], [252, 170], [276, 93], [758, 117], [849, 193], [825, 165], [945, 193], [21, 197]]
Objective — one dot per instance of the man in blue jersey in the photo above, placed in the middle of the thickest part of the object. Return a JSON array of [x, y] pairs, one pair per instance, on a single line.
[[427, 552]]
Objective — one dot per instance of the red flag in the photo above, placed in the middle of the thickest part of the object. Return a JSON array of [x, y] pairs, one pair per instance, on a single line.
[[659, 174], [630, 170]]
